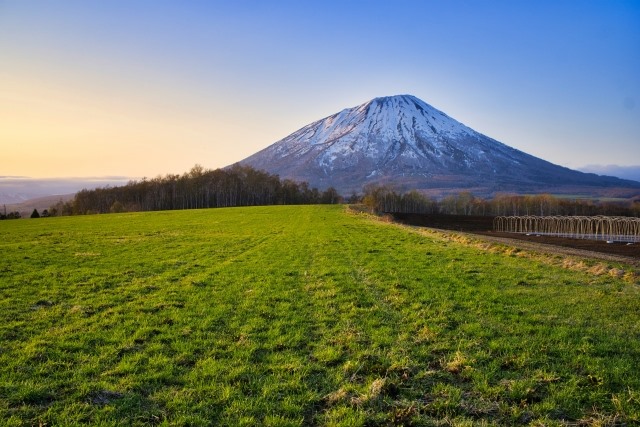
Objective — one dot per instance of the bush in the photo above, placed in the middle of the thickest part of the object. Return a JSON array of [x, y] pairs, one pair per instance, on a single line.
[[116, 207]]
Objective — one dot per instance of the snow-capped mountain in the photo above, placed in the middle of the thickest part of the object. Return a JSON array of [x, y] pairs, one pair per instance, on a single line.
[[407, 143]]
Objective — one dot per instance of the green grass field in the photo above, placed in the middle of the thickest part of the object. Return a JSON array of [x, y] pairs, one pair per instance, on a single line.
[[305, 315]]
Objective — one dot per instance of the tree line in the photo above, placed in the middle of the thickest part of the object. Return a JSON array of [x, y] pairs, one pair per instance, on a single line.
[[245, 186], [199, 188], [382, 199], [9, 215]]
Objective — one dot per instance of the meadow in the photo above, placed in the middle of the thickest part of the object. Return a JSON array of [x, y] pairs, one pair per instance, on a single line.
[[302, 315]]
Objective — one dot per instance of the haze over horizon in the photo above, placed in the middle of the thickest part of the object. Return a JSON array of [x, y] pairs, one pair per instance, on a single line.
[[147, 88]]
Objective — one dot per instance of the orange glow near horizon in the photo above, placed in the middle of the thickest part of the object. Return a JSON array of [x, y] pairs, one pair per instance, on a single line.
[[49, 132]]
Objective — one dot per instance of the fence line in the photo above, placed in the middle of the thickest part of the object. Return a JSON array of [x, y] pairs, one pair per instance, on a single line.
[[610, 228]]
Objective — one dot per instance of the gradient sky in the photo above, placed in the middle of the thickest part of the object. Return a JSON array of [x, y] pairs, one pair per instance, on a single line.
[[141, 88]]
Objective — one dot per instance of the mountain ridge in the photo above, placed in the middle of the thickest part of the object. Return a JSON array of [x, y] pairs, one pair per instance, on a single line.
[[404, 142]]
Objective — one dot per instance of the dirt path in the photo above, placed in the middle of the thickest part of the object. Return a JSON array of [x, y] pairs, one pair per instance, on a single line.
[[556, 249], [478, 227]]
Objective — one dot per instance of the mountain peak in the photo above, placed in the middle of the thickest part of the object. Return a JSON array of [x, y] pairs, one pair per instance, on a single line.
[[404, 141], [397, 98], [400, 101]]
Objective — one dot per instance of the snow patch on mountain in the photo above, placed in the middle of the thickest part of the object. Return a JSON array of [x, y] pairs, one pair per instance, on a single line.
[[367, 129]]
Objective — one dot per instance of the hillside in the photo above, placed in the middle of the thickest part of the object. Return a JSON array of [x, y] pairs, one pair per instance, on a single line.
[[17, 190], [40, 203]]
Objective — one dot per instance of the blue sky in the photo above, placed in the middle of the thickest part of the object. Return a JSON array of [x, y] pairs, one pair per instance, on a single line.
[[141, 88]]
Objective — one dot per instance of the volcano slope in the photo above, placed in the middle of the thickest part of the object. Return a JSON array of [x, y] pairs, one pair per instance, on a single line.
[[305, 315], [406, 143]]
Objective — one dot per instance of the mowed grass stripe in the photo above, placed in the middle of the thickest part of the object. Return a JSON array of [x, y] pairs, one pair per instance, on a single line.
[[301, 315]]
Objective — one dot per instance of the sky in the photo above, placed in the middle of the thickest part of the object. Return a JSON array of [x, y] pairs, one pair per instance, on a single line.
[[141, 88]]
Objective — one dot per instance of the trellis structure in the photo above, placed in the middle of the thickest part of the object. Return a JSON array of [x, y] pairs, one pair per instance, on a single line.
[[610, 228]]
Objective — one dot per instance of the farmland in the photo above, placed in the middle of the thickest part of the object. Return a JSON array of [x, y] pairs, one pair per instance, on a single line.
[[302, 315]]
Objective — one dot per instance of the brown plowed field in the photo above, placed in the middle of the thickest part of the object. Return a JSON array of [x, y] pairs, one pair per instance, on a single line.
[[483, 226]]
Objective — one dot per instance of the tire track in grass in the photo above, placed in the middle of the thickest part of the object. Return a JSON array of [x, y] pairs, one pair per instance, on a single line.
[[364, 338], [266, 326]]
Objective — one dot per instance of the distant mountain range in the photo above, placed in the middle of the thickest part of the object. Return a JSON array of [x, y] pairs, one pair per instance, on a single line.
[[408, 144], [624, 172], [17, 189], [40, 203]]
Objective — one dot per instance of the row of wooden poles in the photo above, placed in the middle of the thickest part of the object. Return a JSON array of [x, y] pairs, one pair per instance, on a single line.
[[610, 228]]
